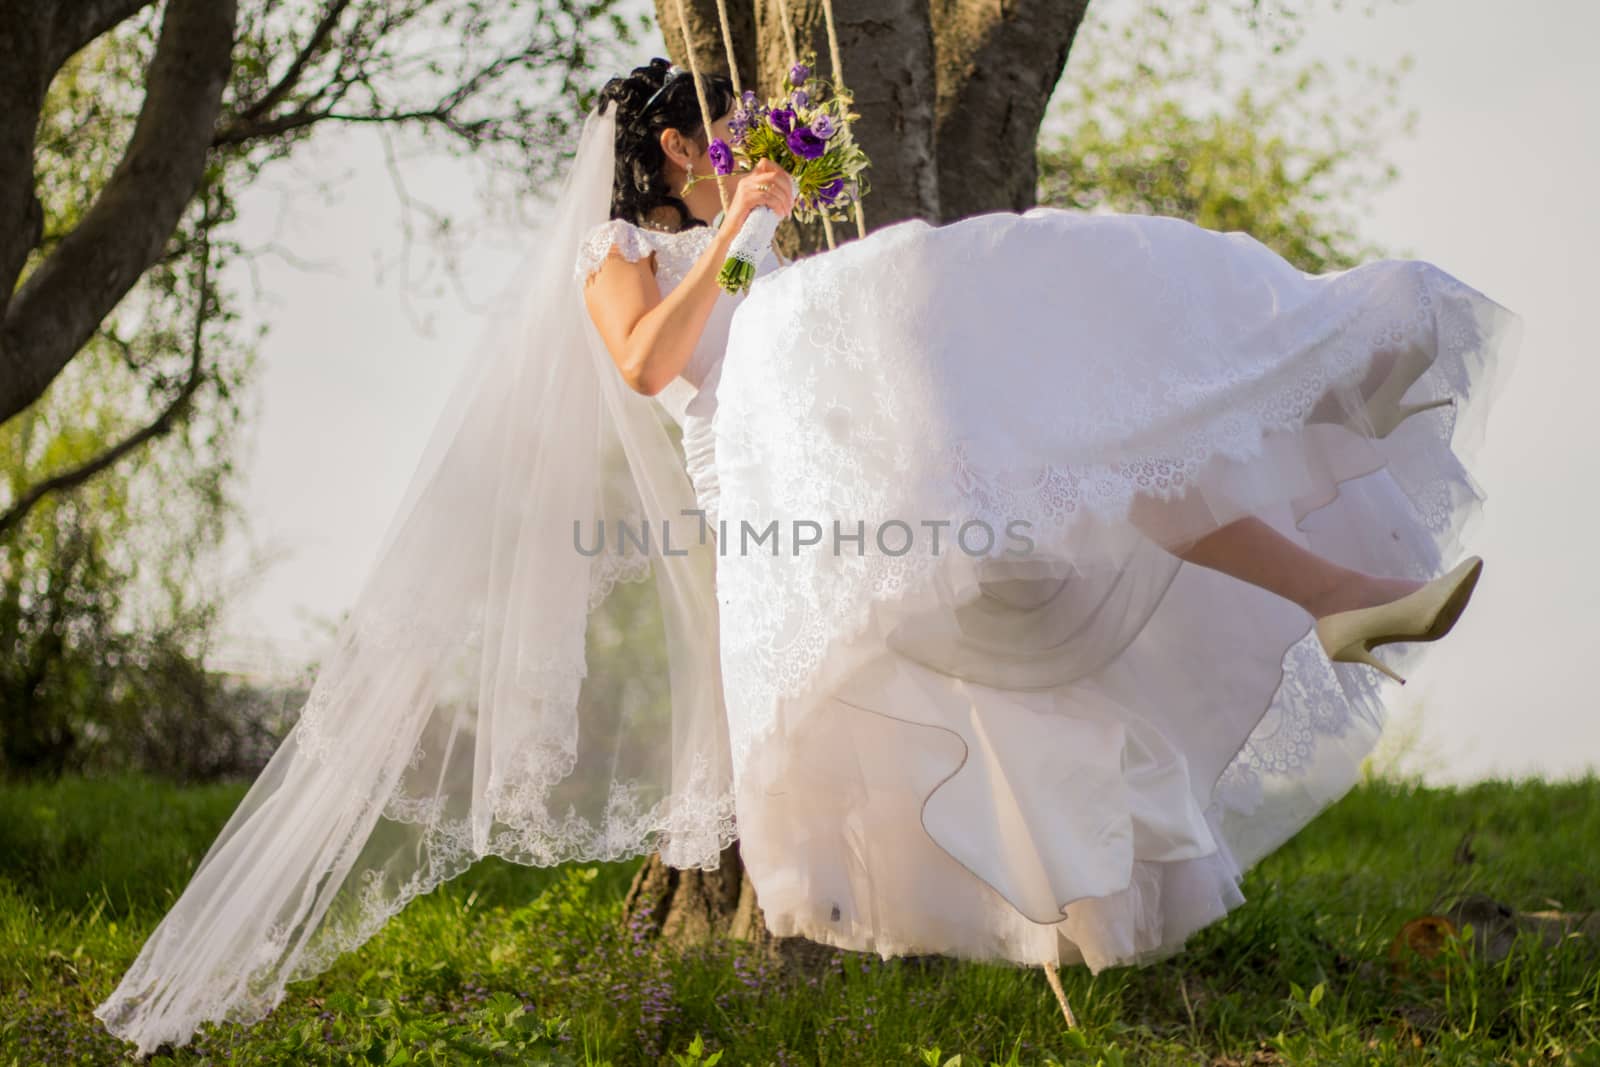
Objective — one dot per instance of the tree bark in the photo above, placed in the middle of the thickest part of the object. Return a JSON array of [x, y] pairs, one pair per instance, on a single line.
[[996, 73], [29, 498], [74, 23], [63, 301], [24, 45], [951, 94]]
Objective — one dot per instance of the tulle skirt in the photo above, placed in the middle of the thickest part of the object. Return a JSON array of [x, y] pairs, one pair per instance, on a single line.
[[977, 704]]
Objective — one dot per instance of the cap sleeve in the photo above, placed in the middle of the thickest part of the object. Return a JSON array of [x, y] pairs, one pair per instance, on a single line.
[[628, 239]]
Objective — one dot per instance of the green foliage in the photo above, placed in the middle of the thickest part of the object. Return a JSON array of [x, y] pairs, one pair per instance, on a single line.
[[696, 1054], [1145, 125], [60, 852], [109, 590], [509, 964], [361, 1029], [106, 601]]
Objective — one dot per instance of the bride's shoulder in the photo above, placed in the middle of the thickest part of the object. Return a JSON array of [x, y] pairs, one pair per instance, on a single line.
[[628, 241]]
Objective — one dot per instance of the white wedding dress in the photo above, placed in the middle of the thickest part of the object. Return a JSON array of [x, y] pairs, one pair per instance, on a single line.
[[1073, 754], [933, 667]]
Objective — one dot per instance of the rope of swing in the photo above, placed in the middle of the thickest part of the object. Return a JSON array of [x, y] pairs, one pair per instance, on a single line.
[[733, 69], [700, 90], [861, 223]]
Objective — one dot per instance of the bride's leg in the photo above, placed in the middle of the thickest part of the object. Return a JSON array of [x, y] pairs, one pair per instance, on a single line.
[[1252, 551]]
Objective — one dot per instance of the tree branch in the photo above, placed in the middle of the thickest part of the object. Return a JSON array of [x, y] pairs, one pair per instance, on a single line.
[[353, 90], [77, 22], [22, 36], [319, 38], [62, 303], [161, 425]]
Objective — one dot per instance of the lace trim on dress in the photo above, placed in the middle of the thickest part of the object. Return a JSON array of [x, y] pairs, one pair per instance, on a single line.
[[611, 568], [790, 627], [675, 252], [628, 239], [694, 828]]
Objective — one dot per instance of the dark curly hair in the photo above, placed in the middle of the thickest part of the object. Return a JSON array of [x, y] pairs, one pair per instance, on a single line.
[[640, 185]]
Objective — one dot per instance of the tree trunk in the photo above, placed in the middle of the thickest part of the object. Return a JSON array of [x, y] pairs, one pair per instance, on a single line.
[[951, 94], [45, 322]]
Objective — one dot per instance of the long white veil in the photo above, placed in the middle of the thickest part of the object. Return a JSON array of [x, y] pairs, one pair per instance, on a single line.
[[496, 689]]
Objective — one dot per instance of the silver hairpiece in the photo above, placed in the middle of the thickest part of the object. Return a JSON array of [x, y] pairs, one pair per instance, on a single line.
[[673, 72]]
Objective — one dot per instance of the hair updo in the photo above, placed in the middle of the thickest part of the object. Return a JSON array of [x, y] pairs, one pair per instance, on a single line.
[[640, 186]]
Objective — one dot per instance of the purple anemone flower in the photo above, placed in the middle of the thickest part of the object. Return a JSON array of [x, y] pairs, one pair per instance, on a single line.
[[828, 192], [822, 126], [800, 98], [721, 156], [805, 144], [798, 74], [782, 119]]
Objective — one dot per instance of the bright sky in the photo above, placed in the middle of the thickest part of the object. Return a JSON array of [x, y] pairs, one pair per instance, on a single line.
[[1494, 188]]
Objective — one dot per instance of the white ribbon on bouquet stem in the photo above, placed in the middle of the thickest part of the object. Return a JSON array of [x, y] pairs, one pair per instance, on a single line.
[[756, 232]]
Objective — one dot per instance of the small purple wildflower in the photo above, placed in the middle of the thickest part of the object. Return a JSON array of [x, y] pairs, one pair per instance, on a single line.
[[798, 74], [742, 971], [782, 119], [721, 156], [822, 126], [828, 192], [800, 98]]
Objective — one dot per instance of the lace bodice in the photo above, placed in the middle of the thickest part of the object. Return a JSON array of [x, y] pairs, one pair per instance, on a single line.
[[691, 398], [675, 255]]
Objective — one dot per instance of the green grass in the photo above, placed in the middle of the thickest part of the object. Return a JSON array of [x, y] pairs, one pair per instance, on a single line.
[[519, 965]]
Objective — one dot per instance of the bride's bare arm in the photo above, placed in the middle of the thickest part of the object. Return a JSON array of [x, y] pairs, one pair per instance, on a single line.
[[651, 338]]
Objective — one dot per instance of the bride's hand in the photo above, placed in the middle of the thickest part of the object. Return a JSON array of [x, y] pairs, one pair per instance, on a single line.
[[764, 185]]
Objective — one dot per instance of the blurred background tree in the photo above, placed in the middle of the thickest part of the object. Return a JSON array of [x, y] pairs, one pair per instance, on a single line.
[[1286, 158], [128, 128], [102, 613]]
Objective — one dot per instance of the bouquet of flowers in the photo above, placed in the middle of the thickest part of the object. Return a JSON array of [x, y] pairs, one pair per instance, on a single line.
[[806, 131]]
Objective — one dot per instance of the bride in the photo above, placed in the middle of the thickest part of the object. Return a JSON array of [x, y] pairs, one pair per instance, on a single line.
[[1009, 589]]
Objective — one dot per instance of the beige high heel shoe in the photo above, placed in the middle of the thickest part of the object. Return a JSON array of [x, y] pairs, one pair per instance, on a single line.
[[1425, 614], [1384, 409]]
